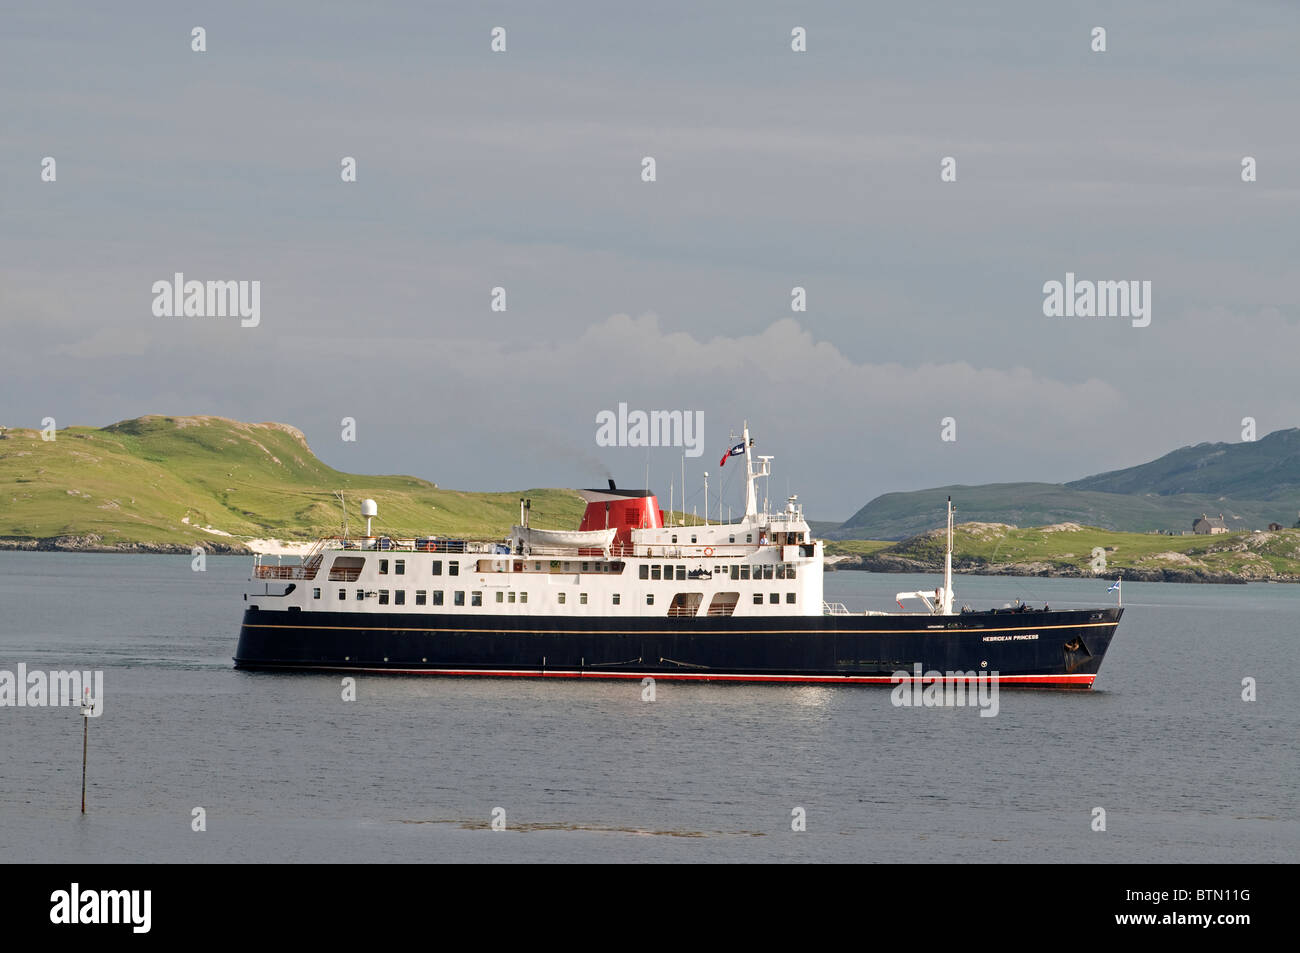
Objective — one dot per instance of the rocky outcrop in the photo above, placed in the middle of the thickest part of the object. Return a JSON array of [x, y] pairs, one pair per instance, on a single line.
[[91, 543]]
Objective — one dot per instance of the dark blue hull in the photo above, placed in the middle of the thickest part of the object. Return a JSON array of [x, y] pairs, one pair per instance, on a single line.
[[1032, 649]]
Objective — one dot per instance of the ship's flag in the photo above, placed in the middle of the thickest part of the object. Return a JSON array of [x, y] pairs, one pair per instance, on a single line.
[[735, 451], [1114, 586]]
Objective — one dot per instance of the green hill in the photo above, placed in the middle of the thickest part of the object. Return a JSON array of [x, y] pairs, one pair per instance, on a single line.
[[1069, 549], [1251, 484], [172, 481], [1264, 469]]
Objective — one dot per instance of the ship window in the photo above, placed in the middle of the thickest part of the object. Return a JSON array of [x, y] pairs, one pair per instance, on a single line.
[[399, 597], [645, 571], [586, 567], [649, 598], [616, 598], [654, 572], [343, 593], [780, 570], [789, 598], [582, 598], [674, 537], [681, 572], [693, 539], [501, 596], [361, 594], [476, 597], [315, 593], [559, 597], [437, 567], [512, 597], [731, 539], [383, 567], [458, 597], [744, 572], [774, 598], [453, 567], [421, 597], [789, 573], [523, 597], [437, 597], [767, 571], [735, 572], [383, 597], [749, 537], [399, 567], [758, 598]]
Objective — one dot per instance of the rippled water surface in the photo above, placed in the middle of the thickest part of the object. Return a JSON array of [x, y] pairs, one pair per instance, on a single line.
[[584, 771]]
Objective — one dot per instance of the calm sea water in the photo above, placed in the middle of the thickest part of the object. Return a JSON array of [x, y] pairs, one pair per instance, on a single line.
[[586, 771]]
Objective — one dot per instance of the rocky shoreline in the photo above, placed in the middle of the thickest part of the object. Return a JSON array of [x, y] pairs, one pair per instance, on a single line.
[[91, 543], [883, 562]]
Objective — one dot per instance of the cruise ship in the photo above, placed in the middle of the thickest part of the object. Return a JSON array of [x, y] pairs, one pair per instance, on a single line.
[[626, 596]]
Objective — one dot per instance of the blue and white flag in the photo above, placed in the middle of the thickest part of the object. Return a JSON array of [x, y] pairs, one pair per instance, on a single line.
[[1114, 586], [735, 451]]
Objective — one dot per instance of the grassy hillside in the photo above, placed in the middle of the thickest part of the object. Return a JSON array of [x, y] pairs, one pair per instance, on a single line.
[[1264, 469], [141, 480], [1068, 549], [899, 515]]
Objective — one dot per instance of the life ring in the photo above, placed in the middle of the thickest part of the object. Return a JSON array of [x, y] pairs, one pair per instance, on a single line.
[[708, 550]]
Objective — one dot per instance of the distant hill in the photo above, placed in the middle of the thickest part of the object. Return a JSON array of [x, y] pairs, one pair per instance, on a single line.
[[1264, 469], [177, 481], [1251, 484]]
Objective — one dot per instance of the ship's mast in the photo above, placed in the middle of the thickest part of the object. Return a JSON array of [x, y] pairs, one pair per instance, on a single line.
[[947, 566], [751, 498]]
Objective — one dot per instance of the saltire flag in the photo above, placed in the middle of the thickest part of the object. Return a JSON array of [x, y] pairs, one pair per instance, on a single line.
[[1113, 586], [735, 451]]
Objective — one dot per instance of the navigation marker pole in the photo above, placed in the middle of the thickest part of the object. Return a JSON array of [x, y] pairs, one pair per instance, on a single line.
[[86, 708]]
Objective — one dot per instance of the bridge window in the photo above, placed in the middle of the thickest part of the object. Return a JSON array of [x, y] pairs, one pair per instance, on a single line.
[[383, 567], [767, 571], [645, 571], [789, 573], [681, 572], [399, 567], [780, 570], [744, 572], [654, 572], [437, 567]]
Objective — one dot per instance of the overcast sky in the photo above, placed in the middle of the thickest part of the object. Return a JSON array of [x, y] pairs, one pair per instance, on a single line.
[[775, 169]]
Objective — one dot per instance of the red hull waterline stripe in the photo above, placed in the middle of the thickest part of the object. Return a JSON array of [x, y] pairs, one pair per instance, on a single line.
[[1010, 681]]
